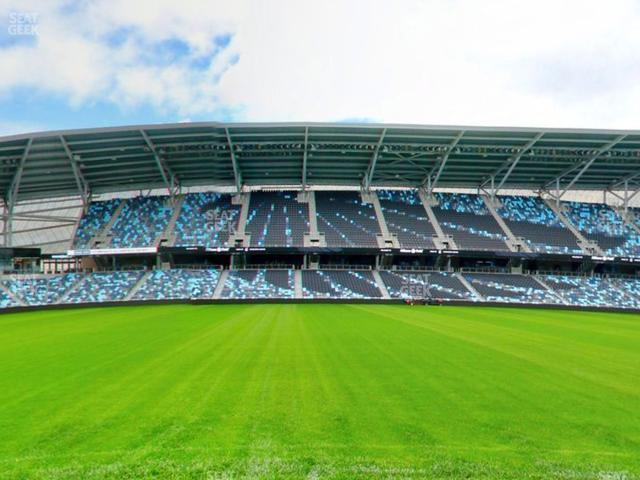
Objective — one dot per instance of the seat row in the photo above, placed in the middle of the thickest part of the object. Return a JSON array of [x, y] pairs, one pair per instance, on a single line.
[[204, 283], [281, 219]]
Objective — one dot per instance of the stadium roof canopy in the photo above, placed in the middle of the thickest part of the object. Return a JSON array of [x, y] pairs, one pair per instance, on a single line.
[[101, 160]]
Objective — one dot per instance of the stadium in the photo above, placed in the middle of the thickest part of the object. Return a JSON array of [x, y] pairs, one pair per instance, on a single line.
[[201, 300], [320, 211]]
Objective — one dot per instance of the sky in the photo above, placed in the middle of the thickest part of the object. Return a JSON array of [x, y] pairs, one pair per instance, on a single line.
[[91, 63]]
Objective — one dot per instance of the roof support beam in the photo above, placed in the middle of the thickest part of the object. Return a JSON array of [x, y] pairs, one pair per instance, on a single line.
[[237, 174], [304, 158], [17, 177], [168, 177], [12, 195], [511, 163], [430, 180], [374, 159], [5, 227], [586, 166], [583, 167], [627, 195], [81, 182], [42, 218], [625, 180]]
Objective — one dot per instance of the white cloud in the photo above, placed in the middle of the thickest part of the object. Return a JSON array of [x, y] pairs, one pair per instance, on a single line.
[[552, 63], [435, 62], [114, 50]]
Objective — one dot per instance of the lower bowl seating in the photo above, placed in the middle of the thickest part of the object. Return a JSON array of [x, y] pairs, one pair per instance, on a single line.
[[421, 285], [590, 292], [104, 287], [339, 284], [178, 284], [510, 288], [42, 290], [246, 284], [191, 283]]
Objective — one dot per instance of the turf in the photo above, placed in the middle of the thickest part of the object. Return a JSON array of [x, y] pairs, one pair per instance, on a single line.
[[319, 391]]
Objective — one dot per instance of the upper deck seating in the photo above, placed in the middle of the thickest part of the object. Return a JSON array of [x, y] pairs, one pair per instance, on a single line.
[[276, 219], [602, 224], [140, 223], [95, 219], [406, 217], [346, 220], [206, 219], [633, 215], [339, 284], [531, 219], [467, 219]]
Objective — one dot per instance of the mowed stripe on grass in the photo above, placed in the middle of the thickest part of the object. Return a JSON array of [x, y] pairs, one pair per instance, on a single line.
[[337, 391]]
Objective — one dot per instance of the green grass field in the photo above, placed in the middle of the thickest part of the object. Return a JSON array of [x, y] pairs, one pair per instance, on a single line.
[[319, 391]]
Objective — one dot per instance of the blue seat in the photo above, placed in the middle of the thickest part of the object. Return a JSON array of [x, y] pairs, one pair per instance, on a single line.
[[178, 283], [141, 222], [346, 220], [407, 218], [531, 219], [92, 223], [602, 224], [277, 219], [206, 219], [259, 284], [466, 218]]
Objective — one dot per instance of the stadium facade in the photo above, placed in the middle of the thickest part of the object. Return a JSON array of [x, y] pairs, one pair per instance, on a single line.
[[308, 211]]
